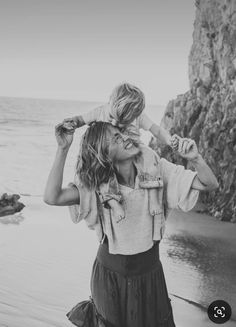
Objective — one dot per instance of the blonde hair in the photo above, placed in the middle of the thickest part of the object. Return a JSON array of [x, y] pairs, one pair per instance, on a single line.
[[127, 103], [94, 166]]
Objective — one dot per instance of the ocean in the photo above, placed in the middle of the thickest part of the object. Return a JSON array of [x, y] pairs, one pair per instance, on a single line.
[[28, 144], [46, 260]]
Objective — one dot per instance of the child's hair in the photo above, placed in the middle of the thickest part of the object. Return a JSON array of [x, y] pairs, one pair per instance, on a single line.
[[127, 103]]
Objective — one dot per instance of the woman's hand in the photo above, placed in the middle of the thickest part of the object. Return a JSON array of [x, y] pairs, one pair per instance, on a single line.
[[73, 122], [64, 136], [187, 149]]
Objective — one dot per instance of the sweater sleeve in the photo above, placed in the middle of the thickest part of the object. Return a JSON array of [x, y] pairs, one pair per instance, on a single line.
[[178, 183], [74, 209], [87, 208]]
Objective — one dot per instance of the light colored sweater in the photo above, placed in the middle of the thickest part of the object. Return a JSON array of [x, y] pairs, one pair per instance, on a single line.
[[158, 183]]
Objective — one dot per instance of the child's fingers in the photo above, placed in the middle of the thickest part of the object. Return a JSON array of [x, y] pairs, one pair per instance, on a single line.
[[175, 137], [175, 146], [175, 142]]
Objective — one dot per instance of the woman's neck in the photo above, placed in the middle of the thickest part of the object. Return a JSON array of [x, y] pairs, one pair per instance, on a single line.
[[126, 173]]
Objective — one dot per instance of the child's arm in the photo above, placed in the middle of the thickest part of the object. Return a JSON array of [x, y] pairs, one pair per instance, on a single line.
[[164, 136], [159, 132], [96, 114]]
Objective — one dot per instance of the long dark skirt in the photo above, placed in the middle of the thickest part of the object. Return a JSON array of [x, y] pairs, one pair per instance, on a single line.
[[130, 290]]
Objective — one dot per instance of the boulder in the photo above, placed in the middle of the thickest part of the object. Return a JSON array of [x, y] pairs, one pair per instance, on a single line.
[[9, 204]]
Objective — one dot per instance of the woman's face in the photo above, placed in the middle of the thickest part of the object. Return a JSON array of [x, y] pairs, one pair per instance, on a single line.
[[120, 146]]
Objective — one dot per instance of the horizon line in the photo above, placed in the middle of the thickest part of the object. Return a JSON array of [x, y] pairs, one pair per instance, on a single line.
[[70, 100]]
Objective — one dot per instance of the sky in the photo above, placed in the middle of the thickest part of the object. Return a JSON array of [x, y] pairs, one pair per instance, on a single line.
[[81, 49]]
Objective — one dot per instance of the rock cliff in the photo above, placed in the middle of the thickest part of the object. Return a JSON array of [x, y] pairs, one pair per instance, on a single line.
[[207, 112]]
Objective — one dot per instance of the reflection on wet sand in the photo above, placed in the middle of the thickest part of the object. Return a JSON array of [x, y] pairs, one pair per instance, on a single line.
[[201, 264]]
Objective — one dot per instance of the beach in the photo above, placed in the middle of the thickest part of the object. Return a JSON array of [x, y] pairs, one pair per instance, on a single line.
[[46, 260]]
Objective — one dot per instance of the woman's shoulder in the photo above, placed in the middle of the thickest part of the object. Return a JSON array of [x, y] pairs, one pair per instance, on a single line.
[[148, 160], [149, 154]]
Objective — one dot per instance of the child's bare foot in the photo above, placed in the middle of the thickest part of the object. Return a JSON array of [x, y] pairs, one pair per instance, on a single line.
[[175, 142]]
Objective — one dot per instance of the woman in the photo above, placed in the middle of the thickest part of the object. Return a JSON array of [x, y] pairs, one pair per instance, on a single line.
[[127, 284]]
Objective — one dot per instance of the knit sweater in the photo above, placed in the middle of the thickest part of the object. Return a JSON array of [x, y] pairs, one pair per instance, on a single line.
[[137, 218]]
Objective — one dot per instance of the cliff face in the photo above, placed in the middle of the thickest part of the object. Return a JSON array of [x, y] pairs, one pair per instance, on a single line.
[[207, 112]]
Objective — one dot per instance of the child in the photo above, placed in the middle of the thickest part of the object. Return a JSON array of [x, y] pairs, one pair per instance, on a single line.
[[124, 110]]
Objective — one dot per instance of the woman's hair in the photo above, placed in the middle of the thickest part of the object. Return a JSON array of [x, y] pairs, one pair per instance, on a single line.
[[94, 166], [127, 103]]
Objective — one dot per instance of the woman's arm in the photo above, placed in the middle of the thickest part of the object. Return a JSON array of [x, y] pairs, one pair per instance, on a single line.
[[54, 194], [205, 179]]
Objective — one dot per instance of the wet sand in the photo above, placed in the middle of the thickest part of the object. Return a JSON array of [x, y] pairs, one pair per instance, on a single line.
[[46, 262], [199, 258]]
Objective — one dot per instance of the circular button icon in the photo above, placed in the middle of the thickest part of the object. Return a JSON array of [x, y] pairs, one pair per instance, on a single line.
[[219, 312]]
